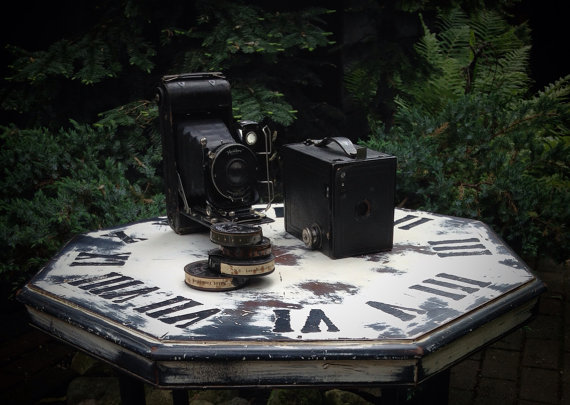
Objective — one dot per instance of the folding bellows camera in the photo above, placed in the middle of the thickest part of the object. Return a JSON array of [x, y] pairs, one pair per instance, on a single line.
[[213, 165]]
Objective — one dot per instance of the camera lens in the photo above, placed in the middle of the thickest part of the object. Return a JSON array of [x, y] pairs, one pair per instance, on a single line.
[[237, 173], [233, 171], [362, 209]]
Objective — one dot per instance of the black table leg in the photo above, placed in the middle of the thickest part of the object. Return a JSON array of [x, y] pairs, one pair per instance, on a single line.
[[433, 391], [179, 397], [132, 390]]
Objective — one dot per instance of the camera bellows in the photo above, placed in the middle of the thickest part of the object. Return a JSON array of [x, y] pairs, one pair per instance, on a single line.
[[243, 254], [215, 168]]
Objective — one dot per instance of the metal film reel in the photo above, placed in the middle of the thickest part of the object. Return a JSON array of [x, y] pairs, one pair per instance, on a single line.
[[255, 267], [198, 275], [232, 235]]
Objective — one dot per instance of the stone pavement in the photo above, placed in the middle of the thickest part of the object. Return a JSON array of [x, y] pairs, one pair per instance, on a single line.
[[532, 364], [529, 366]]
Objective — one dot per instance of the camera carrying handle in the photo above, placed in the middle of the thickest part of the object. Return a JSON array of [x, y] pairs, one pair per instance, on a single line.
[[345, 144]]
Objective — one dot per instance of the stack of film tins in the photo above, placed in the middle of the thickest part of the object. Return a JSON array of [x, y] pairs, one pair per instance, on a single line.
[[243, 253]]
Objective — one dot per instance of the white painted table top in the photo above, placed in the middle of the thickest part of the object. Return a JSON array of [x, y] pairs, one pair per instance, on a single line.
[[442, 275]]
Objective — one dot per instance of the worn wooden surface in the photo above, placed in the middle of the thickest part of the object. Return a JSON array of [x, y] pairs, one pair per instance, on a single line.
[[448, 287]]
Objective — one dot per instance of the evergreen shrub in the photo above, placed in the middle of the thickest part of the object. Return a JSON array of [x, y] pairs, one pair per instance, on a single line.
[[472, 142], [67, 168], [56, 184]]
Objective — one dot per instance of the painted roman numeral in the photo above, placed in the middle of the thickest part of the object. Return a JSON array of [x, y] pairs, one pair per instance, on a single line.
[[279, 212], [410, 225], [316, 316], [454, 289], [464, 280], [95, 281], [435, 291], [173, 305], [183, 303], [124, 237], [459, 247], [192, 317], [98, 259], [127, 295], [401, 313], [111, 286], [282, 321], [115, 286], [450, 282]]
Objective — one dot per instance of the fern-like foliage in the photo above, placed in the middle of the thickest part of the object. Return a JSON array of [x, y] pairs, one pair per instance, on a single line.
[[471, 141], [361, 84], [478, 54]]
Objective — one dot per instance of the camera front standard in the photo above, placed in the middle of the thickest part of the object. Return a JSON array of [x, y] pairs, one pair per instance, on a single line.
[[214, 167]]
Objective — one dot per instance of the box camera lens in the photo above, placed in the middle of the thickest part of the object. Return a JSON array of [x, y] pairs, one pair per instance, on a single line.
[[362, 209]]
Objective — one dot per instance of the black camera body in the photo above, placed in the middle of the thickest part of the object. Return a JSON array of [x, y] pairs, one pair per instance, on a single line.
[[213, 165], [339, 198]]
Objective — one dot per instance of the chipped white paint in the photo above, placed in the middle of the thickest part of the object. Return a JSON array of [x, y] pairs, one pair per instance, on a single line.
[[441, 273]]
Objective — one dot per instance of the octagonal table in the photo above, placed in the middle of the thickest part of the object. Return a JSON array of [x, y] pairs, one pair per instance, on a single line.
[[448, 287]]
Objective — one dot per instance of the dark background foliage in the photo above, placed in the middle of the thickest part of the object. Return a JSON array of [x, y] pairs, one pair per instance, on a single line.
[[35, 25], [79, 147]]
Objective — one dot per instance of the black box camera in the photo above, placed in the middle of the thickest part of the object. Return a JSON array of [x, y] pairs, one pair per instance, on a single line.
[[339, 198], [213, 165]]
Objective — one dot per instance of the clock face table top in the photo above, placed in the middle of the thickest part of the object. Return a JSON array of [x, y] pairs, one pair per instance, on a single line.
[[448, 287]]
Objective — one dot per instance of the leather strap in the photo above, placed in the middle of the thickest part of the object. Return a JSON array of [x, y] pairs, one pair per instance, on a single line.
[[345, 144]]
